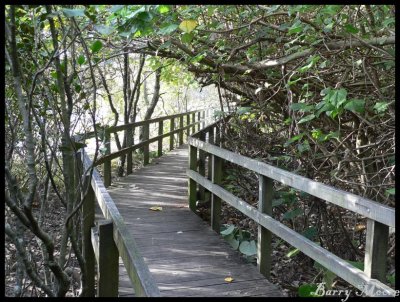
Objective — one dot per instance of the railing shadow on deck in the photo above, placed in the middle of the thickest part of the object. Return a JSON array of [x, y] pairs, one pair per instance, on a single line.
[[379, 217], [103, 244]]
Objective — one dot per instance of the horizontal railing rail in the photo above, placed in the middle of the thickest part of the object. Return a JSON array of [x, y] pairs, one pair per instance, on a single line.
[[379, 217]]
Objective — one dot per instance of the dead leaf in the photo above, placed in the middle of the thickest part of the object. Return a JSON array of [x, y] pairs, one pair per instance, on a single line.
[[360, 227], [229, 279], [156, 208]]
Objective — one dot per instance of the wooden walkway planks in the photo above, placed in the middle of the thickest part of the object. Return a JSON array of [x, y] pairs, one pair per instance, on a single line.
[[185, 256]]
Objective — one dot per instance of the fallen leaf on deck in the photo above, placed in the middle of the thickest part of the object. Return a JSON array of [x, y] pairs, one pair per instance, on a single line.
[[156, 208], [229, 279], [179, 232]]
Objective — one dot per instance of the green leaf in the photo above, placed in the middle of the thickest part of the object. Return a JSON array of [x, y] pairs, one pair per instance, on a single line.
[[357, 264], [96, 46], [81, 59], [292, 214], [243, 110], [328, 278], [388, 21], [381, 107], [355, 105], [294, 138], [391, 279], [79, 145], [303, 107], [295, 28], [308, 290], [229, 230], [53, 74], [77, 12], [168, 29], [391, 191], [310, 233], [307, 118], [188, 26], [351, 29], [162, 9], [336, 97], [292, 253], [248, 248], [103, 29], [187, 38], [234, 243]]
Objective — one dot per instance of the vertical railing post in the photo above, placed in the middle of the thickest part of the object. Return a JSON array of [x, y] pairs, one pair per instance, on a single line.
[[88, 214], [376, 247], [146, 146], [192, 183], [160, 132], [215, 200], [203, 117], [193, 120], [107, 164], [211, 141], [217, 139], [187, 125], [264, 248], [198, 119], [129, 142], [181, 130], [202, 166], [171, 138], [108, 261]]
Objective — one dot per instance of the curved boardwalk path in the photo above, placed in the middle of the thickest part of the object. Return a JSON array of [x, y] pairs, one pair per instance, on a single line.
[[185, 256]]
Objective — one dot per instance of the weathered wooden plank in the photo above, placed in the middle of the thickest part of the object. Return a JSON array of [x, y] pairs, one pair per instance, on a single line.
[[335, 264], [264, 248], [352, 202], [107, 276], [220, 290], [376, 247], [171, 130]]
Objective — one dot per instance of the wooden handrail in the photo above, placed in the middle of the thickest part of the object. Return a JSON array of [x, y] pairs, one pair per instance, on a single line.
[[379, 217], [139, 274]]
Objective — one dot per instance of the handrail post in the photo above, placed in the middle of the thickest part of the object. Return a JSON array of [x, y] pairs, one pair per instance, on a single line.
[[202, 166], [129, 143], [146, 146], [108, 267], [376, 247], [264, 247], [171, 138], [198, 119], [160, 140], [215, 200], [211, 141], [181, 130], [192, 183], [203, 116], [193, 120], [187, 124], [107, 164], [88, 214]]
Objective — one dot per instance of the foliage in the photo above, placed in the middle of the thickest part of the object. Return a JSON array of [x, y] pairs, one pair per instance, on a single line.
[[239, 239]]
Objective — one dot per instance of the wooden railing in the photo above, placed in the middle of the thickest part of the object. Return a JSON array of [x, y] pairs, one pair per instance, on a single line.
[[379, 217], [187, 123], [104, 243]]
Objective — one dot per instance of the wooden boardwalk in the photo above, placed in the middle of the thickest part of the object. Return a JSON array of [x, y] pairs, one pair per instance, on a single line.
[[184, 255]]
